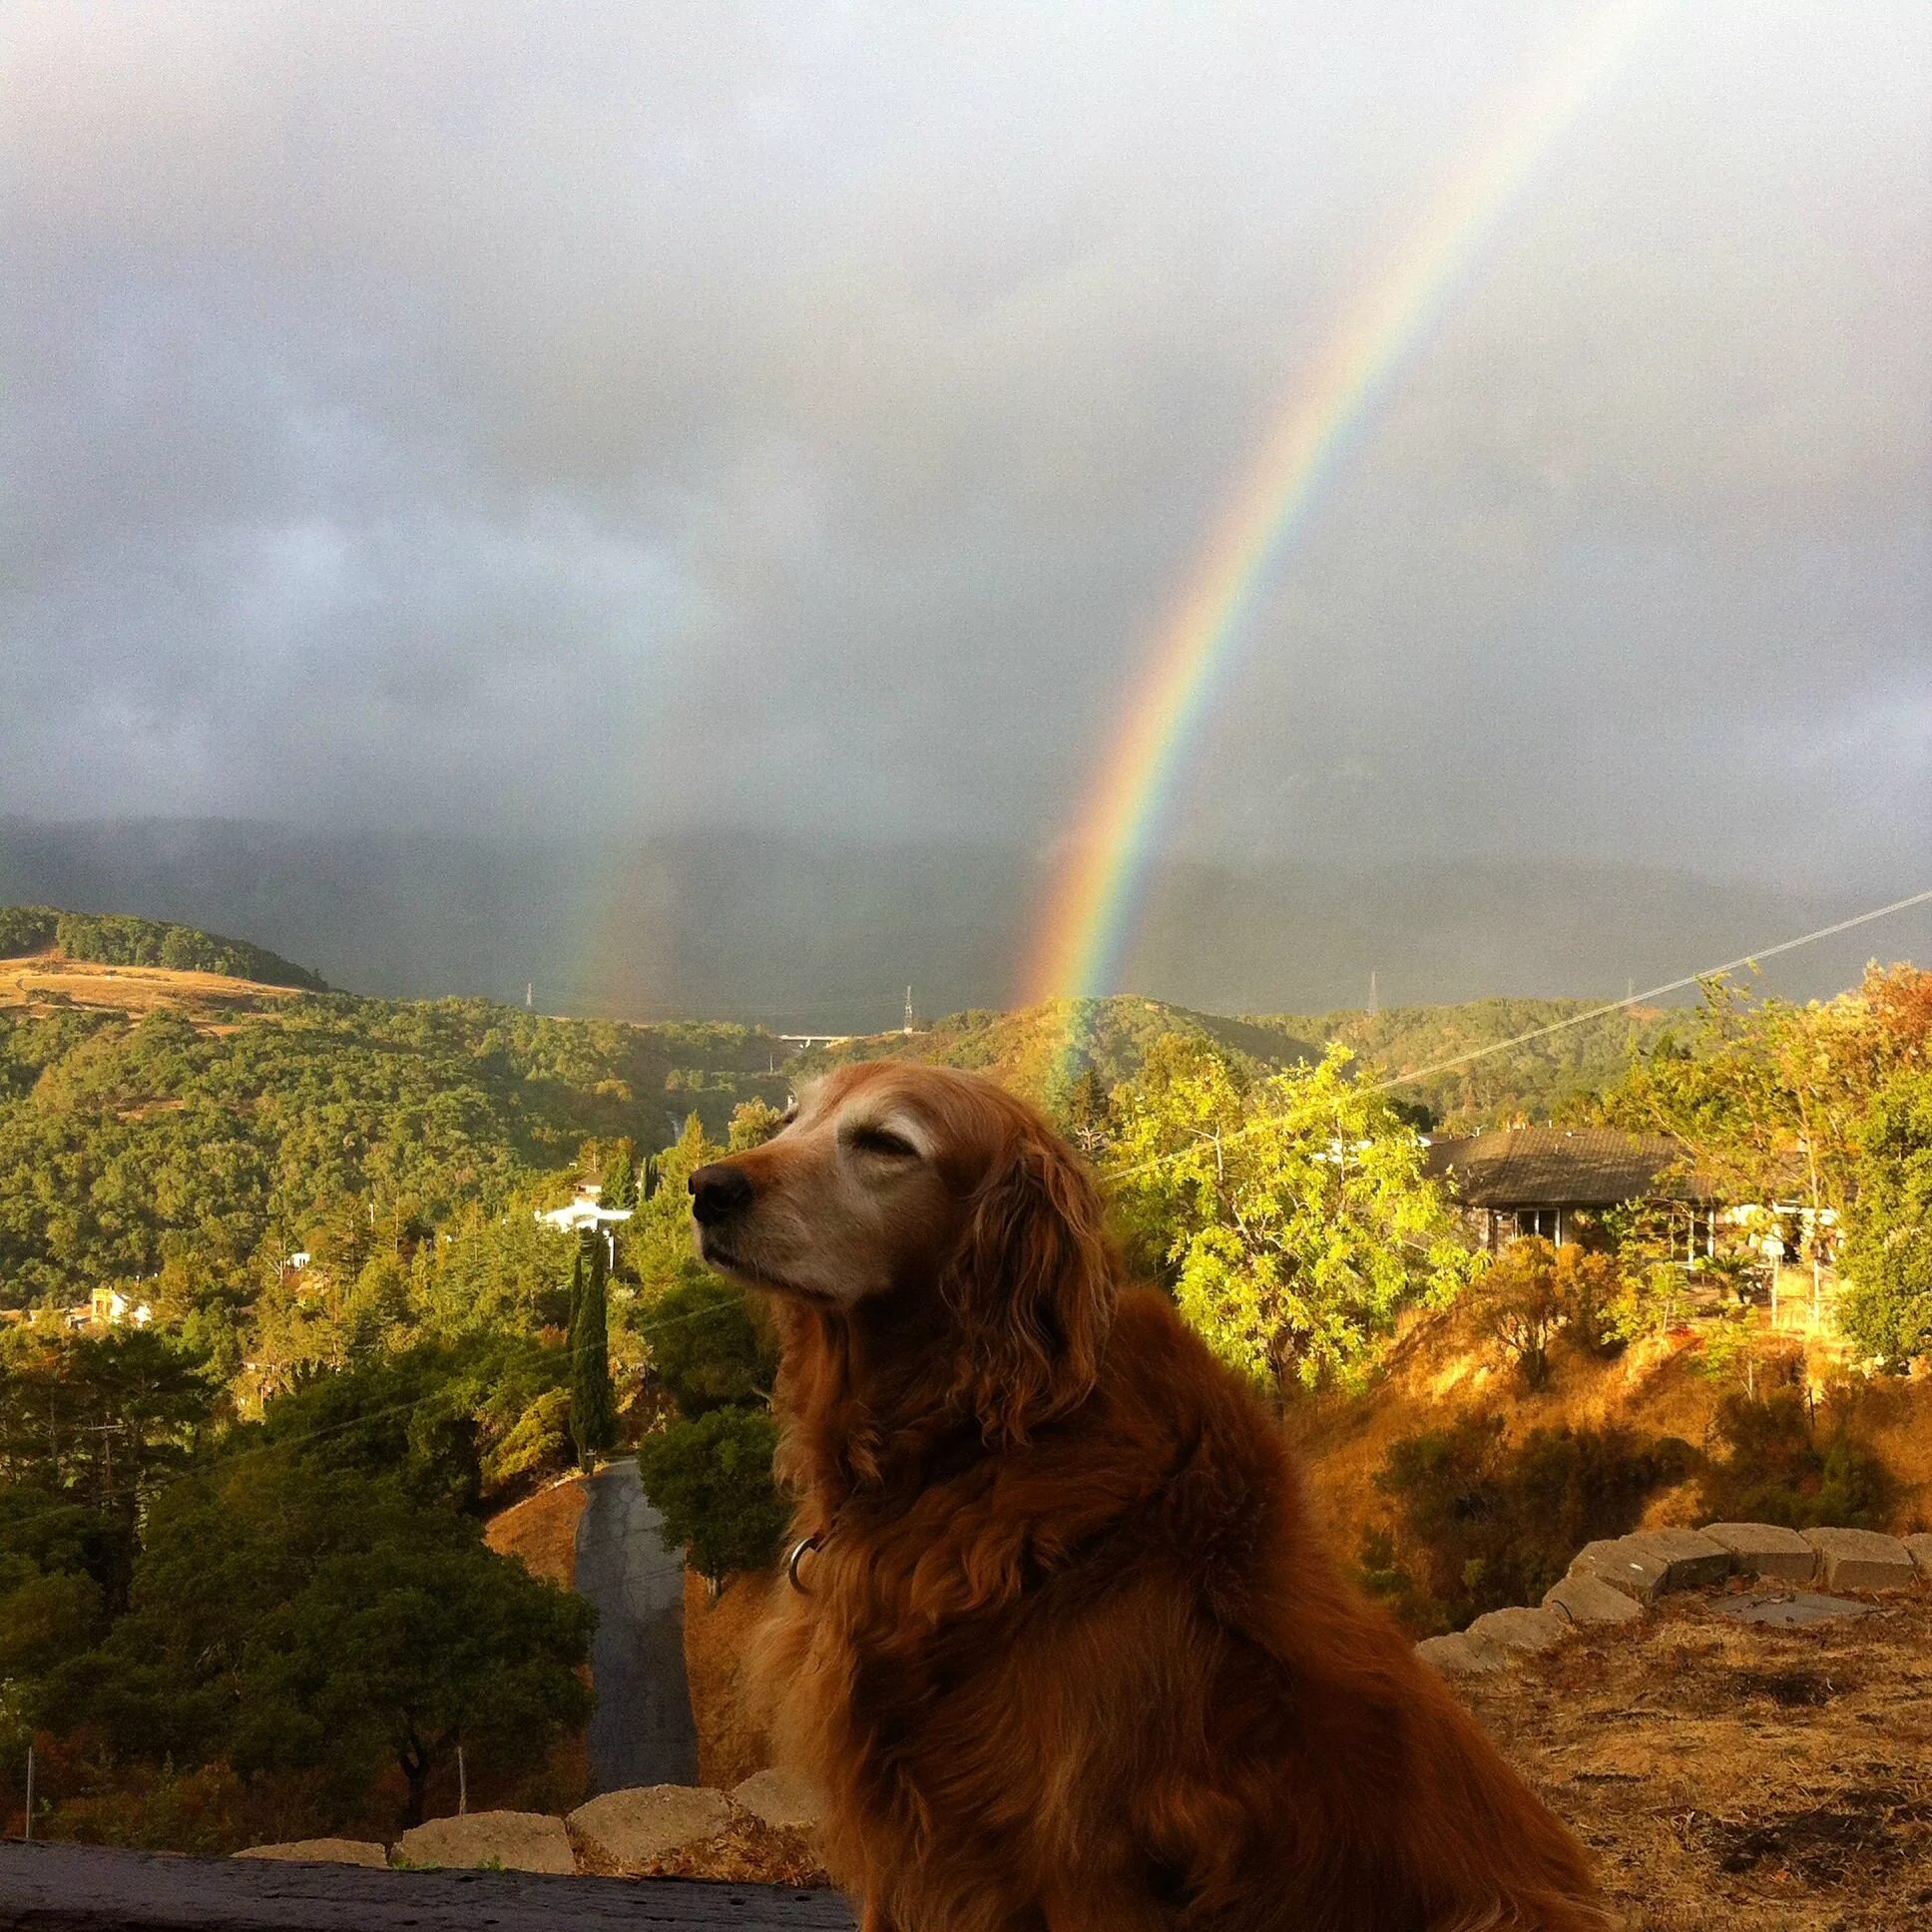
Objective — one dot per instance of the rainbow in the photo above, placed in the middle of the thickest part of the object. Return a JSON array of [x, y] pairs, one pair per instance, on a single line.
[[1091, 912]]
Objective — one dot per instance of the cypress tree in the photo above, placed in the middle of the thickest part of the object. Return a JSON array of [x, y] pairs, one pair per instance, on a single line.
[[593, 1403], [620, 1177]]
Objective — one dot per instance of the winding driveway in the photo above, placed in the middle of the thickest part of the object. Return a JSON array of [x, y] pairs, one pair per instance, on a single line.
[[641, 1731]]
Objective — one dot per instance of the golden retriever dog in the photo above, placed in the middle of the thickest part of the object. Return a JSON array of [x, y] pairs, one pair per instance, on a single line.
[[1059, 1643]]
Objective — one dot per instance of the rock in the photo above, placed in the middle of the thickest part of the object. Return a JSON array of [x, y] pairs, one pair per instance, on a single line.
[[782, 1799], [324, 1852], [515, 1840], [1589, 1600], [1919, 1549], [1862, 1559], [639, 1826], [1646, 1563], [1519, 1630], [1461, 1655], [1789, 1608], [1766, 1550]]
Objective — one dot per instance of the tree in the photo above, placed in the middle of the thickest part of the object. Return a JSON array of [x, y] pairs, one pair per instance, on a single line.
[[712, 1480], [593, 1403], [621, 1176], [1886, 1306], [1291, 1213], [709, 1353], [290, 1618], [1520, 1308], [1087, 1113], [754, 1122]]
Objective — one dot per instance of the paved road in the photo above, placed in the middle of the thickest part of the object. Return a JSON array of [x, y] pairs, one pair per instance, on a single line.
[[641, 1732]]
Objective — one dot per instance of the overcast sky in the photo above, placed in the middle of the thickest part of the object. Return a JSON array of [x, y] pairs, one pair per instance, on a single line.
[[482, 415]]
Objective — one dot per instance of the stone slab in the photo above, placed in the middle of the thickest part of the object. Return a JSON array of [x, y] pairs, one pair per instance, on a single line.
[[1588, 1601], [781, 1799], [1520, 1629], [1862, 1559], [523, 1841], [1766, 1550], [1646, 1563], [635, 1827], [1919, 1549], [1460, 1656], [324, 1852], [1789, 1608]]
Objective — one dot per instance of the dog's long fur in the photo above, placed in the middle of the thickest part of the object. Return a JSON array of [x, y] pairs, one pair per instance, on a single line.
[[1071, 1657]]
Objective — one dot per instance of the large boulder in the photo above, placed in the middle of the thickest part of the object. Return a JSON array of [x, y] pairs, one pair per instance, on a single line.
[[632, 1829], [1919, 1549], [323, 1851], [514, 1840], [1862, 1559], [1766, 1550], [1460, 1655], [1647, 1563], [1519, 1630], [782, 1799], [1587, 1600]]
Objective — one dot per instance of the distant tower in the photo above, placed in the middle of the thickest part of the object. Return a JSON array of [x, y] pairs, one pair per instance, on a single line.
[[1371, 989], [910, 1023], [529, 994]]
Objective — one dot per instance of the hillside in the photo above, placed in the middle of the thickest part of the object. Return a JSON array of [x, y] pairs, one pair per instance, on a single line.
[[1041, 1049], [191, 1127], [119, 939]]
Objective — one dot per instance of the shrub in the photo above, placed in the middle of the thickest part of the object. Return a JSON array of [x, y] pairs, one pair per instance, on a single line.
[[1777, 1466], [1480, 1524]]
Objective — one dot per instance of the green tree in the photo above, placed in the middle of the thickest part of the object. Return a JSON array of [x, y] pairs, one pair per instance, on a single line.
[[621, 1176], [712, 1480], [1291, 1213], [1887, 1306], [707, 1350], [592, 1402], [289, 1618], [754, 1122]]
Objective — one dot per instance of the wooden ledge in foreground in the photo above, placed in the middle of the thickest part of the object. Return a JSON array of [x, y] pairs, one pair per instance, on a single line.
[[84, 1888]]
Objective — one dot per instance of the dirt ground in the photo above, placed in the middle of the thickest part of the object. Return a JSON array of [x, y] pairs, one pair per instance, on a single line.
[[730, 1742], [1731, 1774], [542, 1529]]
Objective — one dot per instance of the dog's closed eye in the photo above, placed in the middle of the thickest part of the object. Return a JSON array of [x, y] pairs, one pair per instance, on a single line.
[[881, 1140]]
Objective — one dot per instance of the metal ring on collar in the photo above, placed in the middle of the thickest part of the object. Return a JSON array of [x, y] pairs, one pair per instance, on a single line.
[[799, 1550]]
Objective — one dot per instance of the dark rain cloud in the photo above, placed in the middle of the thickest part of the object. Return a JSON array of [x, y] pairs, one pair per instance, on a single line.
[[802, 417]]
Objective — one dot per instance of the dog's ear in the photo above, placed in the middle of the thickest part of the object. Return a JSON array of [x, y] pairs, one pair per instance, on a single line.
[[1032, 1288]]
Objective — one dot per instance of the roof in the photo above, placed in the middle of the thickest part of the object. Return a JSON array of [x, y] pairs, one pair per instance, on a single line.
[[1559, 1167]]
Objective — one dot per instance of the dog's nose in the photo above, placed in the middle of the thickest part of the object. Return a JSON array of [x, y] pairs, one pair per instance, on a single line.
[[716, 1193]]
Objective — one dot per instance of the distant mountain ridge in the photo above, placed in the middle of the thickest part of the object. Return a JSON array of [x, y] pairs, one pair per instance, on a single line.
[[808, 934]]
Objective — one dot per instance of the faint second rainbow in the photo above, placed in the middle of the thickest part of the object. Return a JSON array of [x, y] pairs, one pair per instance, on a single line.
[[1091, 912]]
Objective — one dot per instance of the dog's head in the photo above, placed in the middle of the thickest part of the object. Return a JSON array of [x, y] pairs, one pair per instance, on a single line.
[[943, 1198]]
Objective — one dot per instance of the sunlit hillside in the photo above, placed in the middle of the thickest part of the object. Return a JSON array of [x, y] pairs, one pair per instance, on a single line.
[[1041, 1049]]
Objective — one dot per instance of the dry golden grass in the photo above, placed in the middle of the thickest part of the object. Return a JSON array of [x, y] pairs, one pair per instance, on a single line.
[[541, 1531], [1728, 1774], [42, 981], [731, 1745], [1441, 1366]]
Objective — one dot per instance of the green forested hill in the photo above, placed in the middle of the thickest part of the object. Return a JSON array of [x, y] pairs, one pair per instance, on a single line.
[[118, 939], [1531, 1082], [136, 1146], [1041, 1049]]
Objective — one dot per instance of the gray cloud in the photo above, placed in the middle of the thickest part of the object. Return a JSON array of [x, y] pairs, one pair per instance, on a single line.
[[803, 415]]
